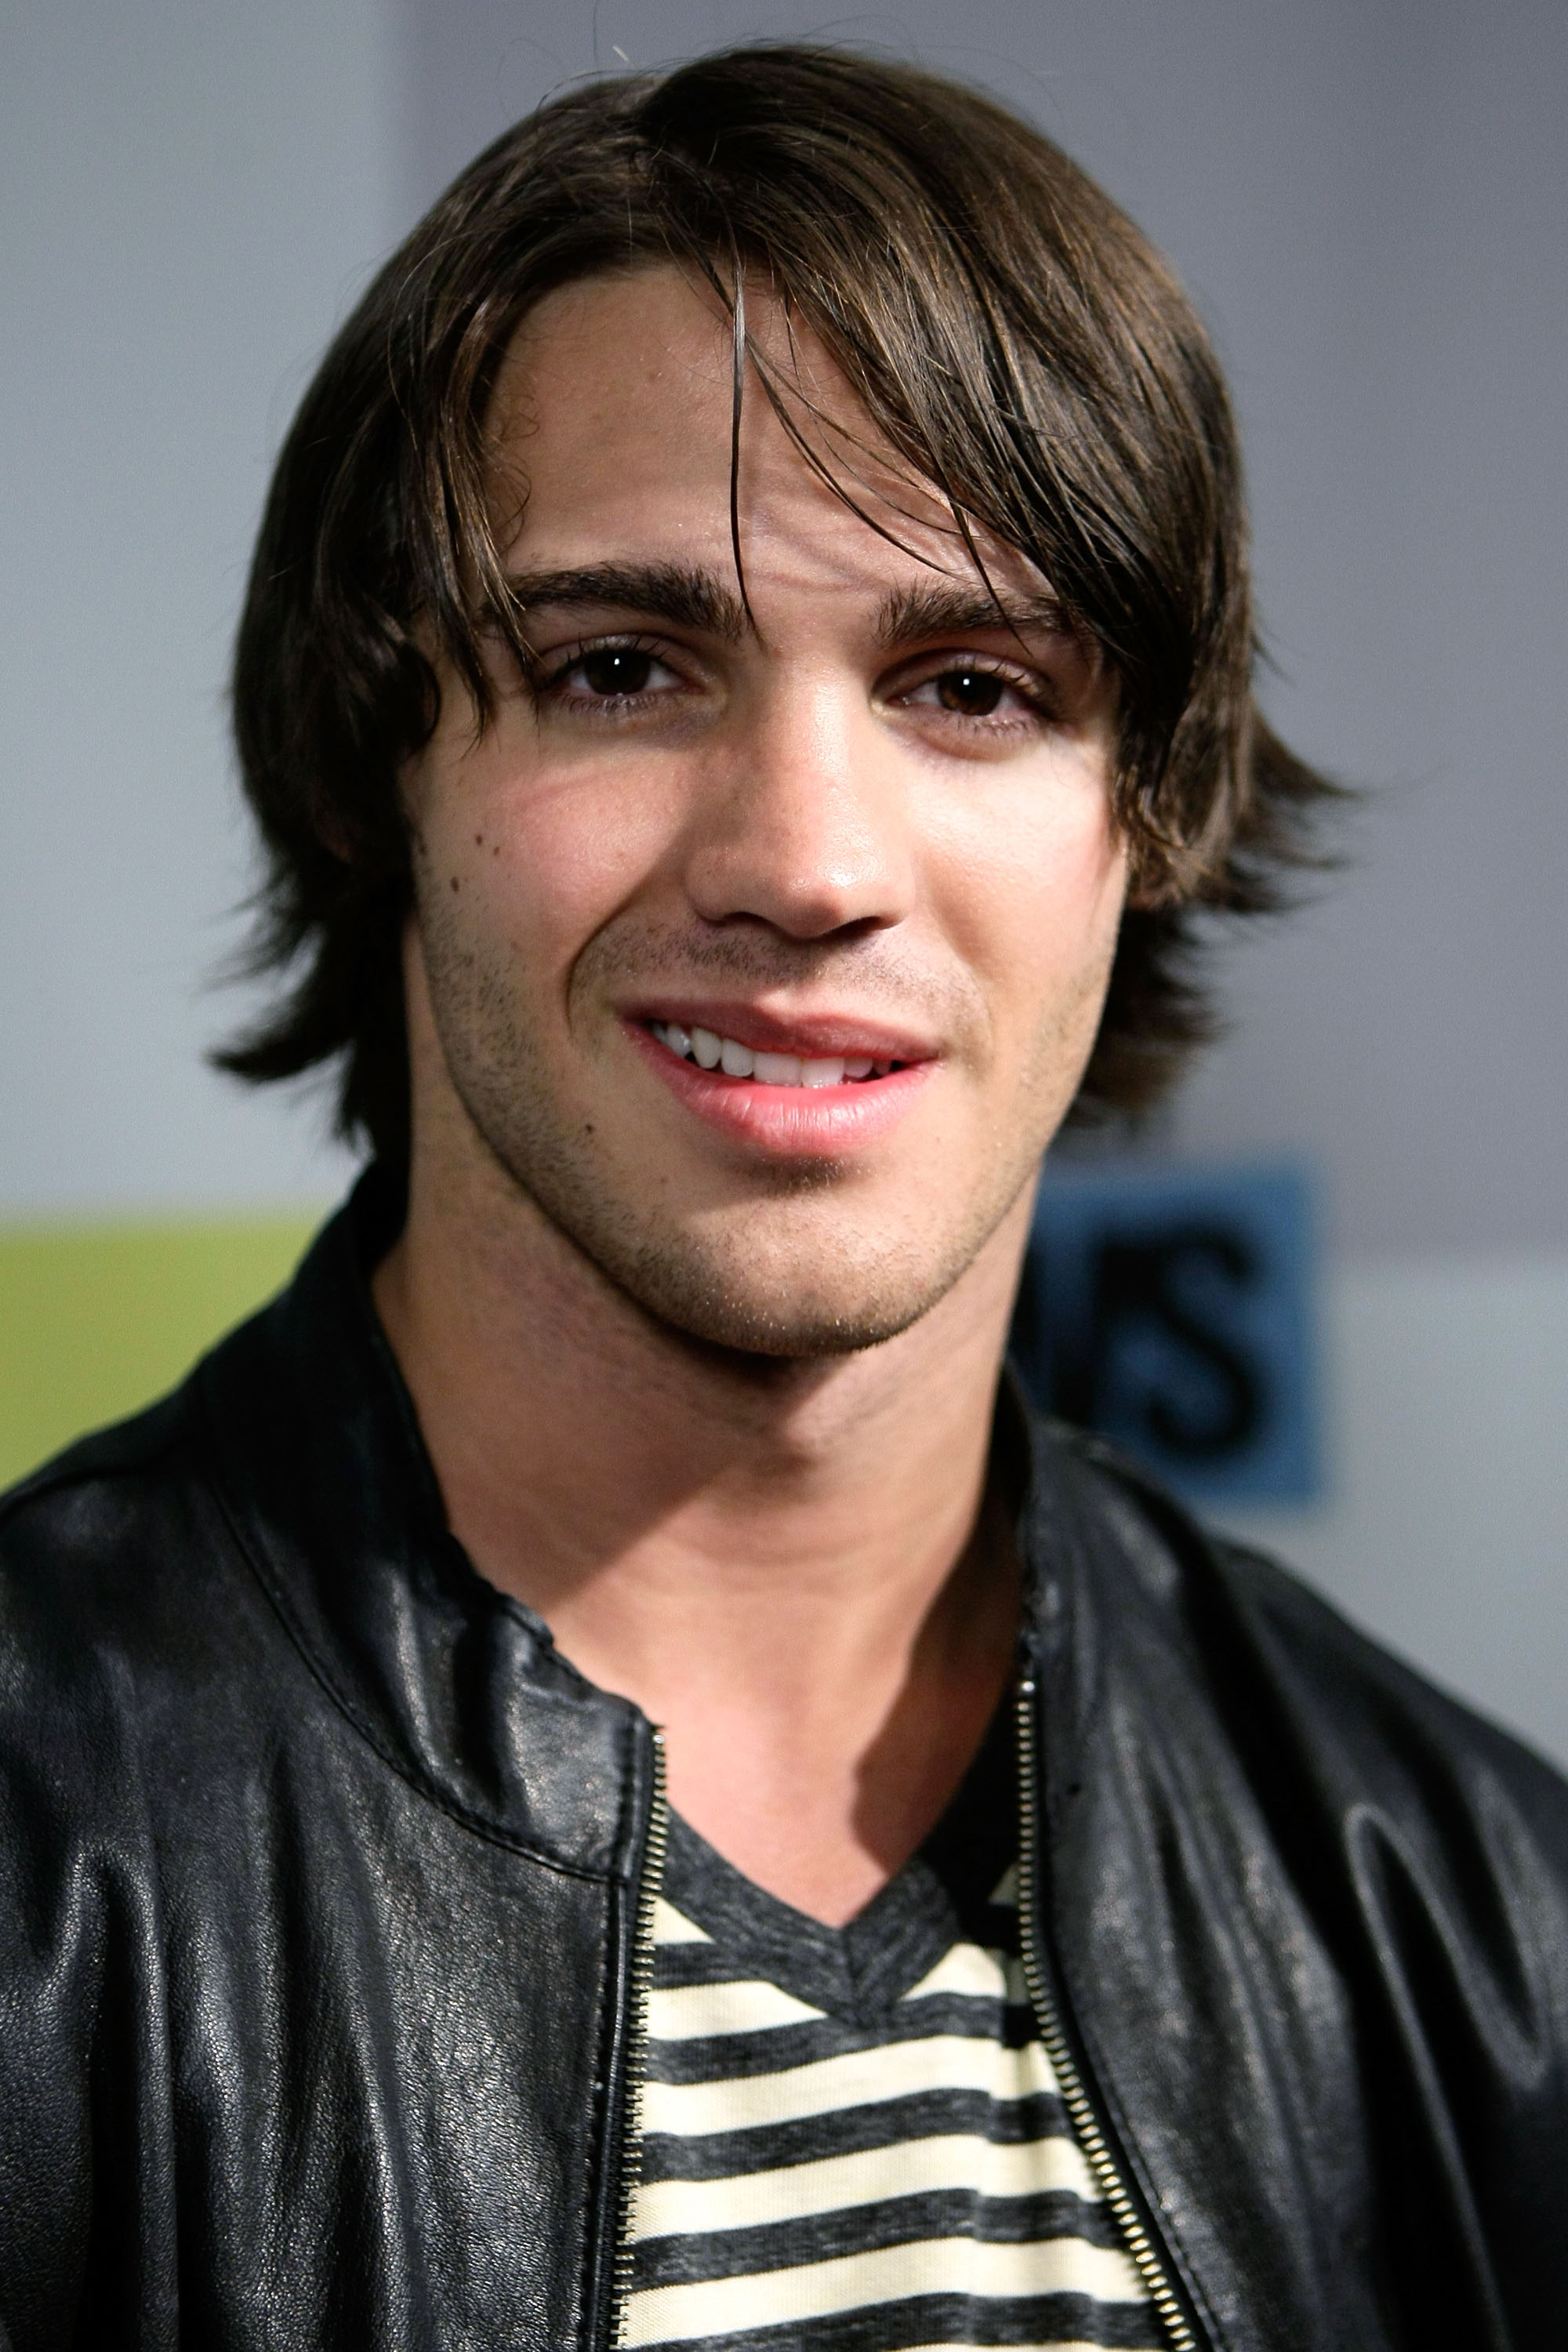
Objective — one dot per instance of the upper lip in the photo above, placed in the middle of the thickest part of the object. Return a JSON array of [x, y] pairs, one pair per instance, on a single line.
[[821, 1035]]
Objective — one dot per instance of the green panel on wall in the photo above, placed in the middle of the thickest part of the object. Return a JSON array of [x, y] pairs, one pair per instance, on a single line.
[[97, 1319]]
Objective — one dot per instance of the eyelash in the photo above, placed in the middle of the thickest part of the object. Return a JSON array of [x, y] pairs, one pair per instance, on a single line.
[[547, 680]]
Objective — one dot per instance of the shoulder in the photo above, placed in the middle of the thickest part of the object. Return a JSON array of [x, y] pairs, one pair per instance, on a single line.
[[128, 1614], [1292, 1682], [98, 1533], [88, 1533], [104, 1480]]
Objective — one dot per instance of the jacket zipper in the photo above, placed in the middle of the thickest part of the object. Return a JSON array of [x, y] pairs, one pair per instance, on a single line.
[[1047, 2017], [640, 1990]]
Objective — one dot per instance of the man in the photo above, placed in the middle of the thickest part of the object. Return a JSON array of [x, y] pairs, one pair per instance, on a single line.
[[745, 679]]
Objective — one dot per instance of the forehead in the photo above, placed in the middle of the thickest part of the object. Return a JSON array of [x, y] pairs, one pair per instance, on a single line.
[[612, 425]]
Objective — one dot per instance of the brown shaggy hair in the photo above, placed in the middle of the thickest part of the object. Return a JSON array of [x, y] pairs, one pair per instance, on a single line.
[[1010, 334]]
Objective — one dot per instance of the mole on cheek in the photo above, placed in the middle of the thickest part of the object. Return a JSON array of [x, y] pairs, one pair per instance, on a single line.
[[454, 882]]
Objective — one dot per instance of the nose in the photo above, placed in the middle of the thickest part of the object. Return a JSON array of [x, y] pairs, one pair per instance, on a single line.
[[800, 821]]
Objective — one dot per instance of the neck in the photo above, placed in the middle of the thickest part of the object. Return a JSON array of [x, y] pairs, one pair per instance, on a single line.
[[790, 1566]]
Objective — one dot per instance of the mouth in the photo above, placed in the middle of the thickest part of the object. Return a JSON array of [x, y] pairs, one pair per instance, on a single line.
[[818, 1089], [711, 1051]]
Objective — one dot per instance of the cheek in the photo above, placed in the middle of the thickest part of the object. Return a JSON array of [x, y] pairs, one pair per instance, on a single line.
[[543, 860], [1029, 888]]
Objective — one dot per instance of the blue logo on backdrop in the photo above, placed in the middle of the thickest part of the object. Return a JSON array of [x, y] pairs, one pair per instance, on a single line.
[[1171, 1308]]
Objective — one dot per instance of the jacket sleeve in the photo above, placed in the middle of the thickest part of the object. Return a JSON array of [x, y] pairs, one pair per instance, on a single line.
[[85, 2135]]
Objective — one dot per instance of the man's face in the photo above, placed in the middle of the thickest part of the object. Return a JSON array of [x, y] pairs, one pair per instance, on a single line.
[[857, 846]]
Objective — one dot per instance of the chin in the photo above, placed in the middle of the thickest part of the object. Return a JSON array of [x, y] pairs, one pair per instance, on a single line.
[[786, 1313], [785, 1330], [796, 1276]]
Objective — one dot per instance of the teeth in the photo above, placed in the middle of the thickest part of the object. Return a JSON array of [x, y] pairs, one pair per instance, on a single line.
[[711, 1052]]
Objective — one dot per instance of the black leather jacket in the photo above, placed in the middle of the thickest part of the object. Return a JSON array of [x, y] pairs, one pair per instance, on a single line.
[[321, 1876]]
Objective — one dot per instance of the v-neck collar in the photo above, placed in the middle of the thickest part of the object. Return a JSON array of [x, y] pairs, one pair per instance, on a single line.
[[859, 1972]]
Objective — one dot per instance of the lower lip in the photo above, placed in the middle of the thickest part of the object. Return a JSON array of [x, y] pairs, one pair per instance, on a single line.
[[788, 1122]]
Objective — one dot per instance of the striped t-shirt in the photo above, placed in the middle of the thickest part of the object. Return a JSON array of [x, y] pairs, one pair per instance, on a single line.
[[853, 2140]]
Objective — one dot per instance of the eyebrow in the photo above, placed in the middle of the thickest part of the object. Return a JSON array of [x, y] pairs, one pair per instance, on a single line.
[[690, 598], [694, 599], [961, 611]]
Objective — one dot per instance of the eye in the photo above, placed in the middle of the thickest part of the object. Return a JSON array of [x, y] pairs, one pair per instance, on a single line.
[[970, 690], [613, 669], [606, 676], [974, 692]]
